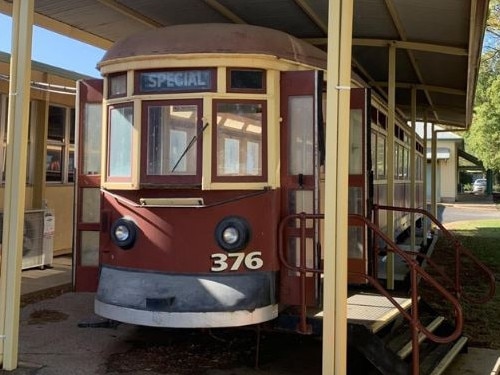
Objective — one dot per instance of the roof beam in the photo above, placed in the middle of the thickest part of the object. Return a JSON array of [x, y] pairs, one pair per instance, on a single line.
[[402, 33], [226, 12], [62, 28], [130, 13], [415, 46], [430, 88], [306, 8]]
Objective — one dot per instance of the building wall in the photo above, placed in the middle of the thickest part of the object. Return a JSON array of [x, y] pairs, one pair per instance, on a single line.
[[449, 173], [51, 88]]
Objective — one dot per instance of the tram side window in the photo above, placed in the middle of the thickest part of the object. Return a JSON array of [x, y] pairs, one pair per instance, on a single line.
[[301, 150], [120, 143], [240, 141], [381, 163], [355, 139], [92, 139]]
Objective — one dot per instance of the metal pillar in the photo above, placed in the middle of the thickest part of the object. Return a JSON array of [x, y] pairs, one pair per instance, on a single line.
[[391, 119], [15, 181], [340, 15]]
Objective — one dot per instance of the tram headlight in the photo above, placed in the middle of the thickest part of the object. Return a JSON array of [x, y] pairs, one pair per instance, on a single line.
[[232, 233], [124, 233]]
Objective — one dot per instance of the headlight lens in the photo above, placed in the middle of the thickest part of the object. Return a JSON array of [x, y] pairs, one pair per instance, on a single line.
[[124, 233], [232, 233]]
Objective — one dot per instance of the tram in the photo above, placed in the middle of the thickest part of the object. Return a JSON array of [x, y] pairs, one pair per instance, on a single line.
[[213, 135]]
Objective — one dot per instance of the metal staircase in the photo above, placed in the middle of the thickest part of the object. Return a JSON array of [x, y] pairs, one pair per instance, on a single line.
[[388, 334]]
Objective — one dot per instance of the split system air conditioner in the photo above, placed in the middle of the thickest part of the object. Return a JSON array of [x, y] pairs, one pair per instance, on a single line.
[[38, 238]]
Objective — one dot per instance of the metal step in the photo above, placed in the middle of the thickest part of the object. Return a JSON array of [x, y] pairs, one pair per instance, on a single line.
[[436, 362], [406, 350]]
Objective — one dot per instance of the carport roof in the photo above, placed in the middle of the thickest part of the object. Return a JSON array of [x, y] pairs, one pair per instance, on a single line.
[[438, 42]]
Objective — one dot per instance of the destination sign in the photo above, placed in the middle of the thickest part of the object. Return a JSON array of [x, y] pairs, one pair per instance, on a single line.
[[177, 80]]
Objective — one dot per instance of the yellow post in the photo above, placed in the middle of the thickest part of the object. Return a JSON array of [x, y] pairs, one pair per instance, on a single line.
[[15, 181], [391, 119], [434, 171], [413, 164], [340, 15], [424, 172]]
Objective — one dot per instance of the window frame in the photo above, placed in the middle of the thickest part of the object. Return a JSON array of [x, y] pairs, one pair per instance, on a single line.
[[66, 145], [119, 179], [263, 177], [230, 89], [194, 179], [110, 79]]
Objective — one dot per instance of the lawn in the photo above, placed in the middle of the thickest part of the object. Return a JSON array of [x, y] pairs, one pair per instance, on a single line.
[[482, 238]]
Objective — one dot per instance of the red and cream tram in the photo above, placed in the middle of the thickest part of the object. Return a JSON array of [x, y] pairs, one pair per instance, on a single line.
[[212, 134]]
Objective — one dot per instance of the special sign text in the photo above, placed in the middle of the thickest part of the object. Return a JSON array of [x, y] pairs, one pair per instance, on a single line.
[[178, 80]]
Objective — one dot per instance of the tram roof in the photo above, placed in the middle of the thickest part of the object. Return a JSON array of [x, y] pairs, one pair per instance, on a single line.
[[438, 42], [217, 38]]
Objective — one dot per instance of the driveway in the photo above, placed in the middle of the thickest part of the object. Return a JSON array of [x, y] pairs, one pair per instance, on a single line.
[[469, 208]]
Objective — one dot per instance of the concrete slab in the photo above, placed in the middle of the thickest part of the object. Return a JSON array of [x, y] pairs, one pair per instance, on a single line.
[[477, 361]]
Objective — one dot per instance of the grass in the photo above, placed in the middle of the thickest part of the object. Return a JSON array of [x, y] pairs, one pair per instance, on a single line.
[[482, 238]]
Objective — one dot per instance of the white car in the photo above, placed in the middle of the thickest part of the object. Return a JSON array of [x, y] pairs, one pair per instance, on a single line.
[[479, 186]]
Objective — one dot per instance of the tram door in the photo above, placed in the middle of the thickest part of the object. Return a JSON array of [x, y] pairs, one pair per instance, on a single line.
[[87, 223], [360, 184], [300, 164]]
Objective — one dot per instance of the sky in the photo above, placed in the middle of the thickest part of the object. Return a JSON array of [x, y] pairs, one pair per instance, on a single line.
[[55, 49]]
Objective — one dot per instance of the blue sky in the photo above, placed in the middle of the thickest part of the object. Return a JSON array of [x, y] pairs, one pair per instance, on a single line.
[[55, 49]]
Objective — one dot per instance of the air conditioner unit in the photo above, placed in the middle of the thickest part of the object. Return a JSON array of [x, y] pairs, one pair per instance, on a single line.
[[38, 237]]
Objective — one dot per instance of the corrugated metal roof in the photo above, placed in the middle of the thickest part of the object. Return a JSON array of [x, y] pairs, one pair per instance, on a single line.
[[438, 42]]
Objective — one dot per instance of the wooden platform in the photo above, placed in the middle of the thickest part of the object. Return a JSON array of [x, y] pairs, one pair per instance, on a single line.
[[373, 311]]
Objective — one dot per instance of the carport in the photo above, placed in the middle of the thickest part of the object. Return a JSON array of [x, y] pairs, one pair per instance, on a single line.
[[422, 56]]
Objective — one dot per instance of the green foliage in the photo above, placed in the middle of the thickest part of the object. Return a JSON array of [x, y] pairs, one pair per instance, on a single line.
[[483, 138]]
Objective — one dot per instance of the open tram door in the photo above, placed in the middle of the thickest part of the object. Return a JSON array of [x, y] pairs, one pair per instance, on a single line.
[[360, 185], [88, 181], [302, 180], [302, 156]]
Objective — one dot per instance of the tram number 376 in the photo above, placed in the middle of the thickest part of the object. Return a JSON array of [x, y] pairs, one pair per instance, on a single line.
[[233, 261]]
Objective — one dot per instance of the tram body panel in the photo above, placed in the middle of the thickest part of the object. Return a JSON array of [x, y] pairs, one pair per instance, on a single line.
[[176, 274], [183, 239]]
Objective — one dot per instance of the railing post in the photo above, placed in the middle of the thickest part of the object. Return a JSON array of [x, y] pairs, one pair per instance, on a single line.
[[414, 324], [302, 272]]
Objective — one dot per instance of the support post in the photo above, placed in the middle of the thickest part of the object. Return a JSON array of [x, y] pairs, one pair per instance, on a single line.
[[391, 155], [340, 15], [15, 181], [434, 171], [413, 164]]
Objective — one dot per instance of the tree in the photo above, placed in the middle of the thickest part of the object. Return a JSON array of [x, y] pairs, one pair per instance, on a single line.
[[483, 138]]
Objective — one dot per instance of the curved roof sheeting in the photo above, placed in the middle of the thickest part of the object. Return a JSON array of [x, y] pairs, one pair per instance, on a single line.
[[438, 41], [217, 38]]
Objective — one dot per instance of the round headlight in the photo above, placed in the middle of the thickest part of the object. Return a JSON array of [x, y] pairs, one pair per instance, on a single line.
[[123, 233], [232, 233]]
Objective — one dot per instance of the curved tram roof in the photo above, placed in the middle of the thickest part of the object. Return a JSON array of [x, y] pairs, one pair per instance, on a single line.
[[217, 38]]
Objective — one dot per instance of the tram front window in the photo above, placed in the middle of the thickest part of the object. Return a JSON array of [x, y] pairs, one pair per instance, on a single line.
[[170, 133], [240, 139]]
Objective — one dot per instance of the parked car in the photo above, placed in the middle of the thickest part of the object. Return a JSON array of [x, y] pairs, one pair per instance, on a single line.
[[479, 186]]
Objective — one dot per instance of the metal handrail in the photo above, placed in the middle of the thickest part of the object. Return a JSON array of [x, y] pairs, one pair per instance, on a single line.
[[459, 251], [415, 272], [301, 268]]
